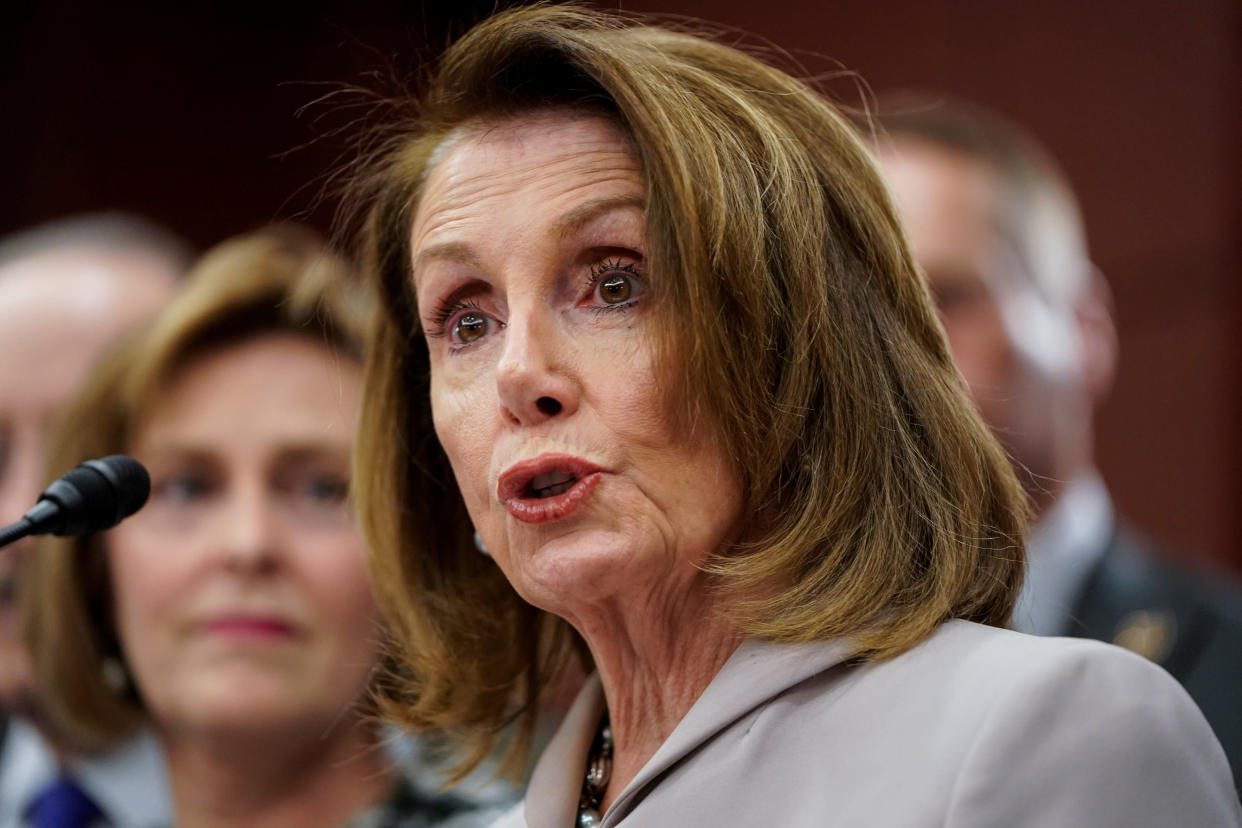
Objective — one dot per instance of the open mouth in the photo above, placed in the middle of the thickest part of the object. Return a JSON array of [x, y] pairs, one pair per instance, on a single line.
[[550, 485], [547, 487]]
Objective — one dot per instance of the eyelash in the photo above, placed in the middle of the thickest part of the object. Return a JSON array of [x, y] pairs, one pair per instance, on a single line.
[[445, 311], [598, 271]]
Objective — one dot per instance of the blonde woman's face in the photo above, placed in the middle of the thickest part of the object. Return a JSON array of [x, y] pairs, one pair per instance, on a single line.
[[530, 268], [241, 593]]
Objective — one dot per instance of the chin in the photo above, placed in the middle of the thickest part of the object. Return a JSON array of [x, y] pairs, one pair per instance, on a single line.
[[557, 574], [250, 717], [234, 700]]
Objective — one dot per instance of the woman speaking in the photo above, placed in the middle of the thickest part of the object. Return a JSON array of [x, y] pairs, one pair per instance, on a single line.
[[687, 387]]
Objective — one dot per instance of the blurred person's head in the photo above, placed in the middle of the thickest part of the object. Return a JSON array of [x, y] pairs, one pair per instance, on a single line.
[[997, 231], [234, 608], [68, 289]]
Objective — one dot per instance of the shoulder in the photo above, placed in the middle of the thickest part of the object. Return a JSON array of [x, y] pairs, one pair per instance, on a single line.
[[1188, 622], [1080, 732], [26, 765], [974, 727], [964, 660]]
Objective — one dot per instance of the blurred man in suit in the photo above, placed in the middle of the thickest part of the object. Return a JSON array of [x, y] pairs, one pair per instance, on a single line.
[[68, 289], [998, 233]]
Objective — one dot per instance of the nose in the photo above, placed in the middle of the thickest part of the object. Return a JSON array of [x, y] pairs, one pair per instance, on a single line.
[[533, 377], [247, 530]]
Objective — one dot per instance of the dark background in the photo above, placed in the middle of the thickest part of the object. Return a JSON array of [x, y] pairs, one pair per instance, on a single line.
[[189, 113]]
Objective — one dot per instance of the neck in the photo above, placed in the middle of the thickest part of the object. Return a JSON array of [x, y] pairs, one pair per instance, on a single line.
[[654, 660], [270, 779]]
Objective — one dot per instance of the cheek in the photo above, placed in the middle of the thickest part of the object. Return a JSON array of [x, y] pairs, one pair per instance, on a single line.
[[634, 402], [137, 575], [980, 346], [465, 417], [676, 468], [336, 575], [147, 588], [334, 585]]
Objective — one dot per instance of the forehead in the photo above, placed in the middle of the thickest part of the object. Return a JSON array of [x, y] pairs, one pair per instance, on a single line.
[[95, 285], [945, 196], [955, 210], [277, 384], [550, 160], [67, 306]]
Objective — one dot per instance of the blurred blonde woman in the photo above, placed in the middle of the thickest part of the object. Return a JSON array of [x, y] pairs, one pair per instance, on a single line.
[[232, 616]]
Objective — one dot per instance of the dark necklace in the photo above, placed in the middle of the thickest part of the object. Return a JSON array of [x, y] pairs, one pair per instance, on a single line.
[[598, 772]]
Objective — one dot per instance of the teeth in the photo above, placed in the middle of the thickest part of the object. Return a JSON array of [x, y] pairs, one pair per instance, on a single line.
[[551, 484], [543, 481], [552, 491]]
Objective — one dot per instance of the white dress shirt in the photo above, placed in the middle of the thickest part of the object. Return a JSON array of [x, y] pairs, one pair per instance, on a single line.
[[129, 784], [1062, 550]]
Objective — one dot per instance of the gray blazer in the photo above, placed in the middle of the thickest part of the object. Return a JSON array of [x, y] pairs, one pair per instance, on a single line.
[[975, 728]]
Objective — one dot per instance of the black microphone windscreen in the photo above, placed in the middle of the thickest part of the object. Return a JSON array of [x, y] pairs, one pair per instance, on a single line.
[[130, 479], [98, 495]]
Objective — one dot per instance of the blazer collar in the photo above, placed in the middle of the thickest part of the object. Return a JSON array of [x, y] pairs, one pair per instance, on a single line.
[[755, 673]]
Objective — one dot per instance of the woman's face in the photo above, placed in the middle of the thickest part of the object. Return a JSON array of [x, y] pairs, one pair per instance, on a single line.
[[241, 592], [537, 302]]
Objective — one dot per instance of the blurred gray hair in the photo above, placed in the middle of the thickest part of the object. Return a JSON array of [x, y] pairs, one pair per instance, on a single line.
[[1040, 216], [112, 231]]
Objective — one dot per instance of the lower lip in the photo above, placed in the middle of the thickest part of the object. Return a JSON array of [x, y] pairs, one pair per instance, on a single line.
[[544, 509], [250, 628]]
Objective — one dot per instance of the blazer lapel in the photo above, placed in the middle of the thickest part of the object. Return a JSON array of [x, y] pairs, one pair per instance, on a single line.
[[549, 801], [756, 672]]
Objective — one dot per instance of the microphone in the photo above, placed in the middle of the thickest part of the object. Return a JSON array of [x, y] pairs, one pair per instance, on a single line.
[[96, 495]]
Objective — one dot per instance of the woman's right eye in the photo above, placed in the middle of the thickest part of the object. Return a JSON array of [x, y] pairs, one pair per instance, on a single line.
[[182, 488], [461, 320], [470, 327]]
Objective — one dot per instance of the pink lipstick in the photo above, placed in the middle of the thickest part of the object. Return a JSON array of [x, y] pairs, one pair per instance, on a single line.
[[547, 487], [248, 626]]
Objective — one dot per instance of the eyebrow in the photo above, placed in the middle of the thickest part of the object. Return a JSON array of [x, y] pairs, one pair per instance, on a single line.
[[297, 450], [453, 251], [584, 214]]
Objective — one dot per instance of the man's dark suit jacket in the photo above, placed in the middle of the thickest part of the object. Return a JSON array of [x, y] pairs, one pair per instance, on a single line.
[[1190, 625]]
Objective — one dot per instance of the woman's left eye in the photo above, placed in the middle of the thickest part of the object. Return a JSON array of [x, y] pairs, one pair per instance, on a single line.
[[616, 284], [615, 289], [326, 489], [314, 493]]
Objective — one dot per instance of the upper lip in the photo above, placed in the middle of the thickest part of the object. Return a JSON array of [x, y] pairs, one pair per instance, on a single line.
[[515, 481]]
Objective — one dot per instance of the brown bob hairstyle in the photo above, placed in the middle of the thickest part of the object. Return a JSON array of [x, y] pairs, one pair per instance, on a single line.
[[799, 329], [282, 279]]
